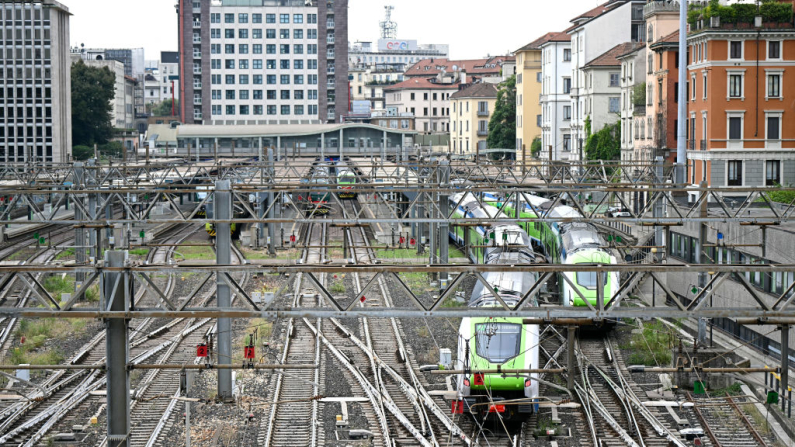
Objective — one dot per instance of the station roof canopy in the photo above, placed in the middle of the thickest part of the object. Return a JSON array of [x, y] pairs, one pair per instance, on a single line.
[[274, 130]]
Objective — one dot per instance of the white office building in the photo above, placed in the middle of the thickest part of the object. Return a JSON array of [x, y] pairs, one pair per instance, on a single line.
[[555, 99], [35, 82]]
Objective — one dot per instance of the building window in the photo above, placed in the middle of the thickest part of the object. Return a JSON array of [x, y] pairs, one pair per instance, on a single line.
[[284, 18], [242, 18], [538, 120], [772, 173], [566, 85], [614, 80], [256, 18], [735, 86], [736, 50], [704, 77], [230, 110], [566, 55], [735, 173], [774, 86], [229, 18], [693, 86], [615, 105], [774, 50], [298, 18], [773, 127], [566, 113], [735, 128]]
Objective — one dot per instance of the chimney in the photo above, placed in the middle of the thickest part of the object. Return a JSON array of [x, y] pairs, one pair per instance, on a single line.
[[463, 77]]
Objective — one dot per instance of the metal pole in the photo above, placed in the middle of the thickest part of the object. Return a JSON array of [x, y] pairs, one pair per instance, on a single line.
[[784, 364], [80, 237], [681, 141], [187, 424], [117, 351], [658, 205], [570, 357], [444, 228], [260, 198], [420, 215], [223, 243], [702, 276], [271, 225]]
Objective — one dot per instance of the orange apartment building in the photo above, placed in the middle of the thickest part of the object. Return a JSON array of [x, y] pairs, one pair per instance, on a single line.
[[741, 104]]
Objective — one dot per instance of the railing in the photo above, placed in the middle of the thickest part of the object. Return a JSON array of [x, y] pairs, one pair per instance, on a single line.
[[197, 70], [330, 55], [197, 116], [331, 85], [483, 112], [330, 39], [332, 99], [197, 39], [329, 24], [197, 25], [197, 55], [197, 85], [703, 145], [660, 6], [639, 110], [483, 132], [691, 144]]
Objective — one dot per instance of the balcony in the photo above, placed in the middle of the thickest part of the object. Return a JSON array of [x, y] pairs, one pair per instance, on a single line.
[[330, 39], [197, 39], [197, 25], [197, 70], [331, 116], [331, 85], [330, 55], [484, 112], [197, 55], [483, 132], [197, 85], [330, 24], [332, 99], [197, 116], [660, 6], [640, 110], [532, 65], [330, 70], [197, 101]]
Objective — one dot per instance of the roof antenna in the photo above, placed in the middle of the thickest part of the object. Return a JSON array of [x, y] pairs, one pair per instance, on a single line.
[[388, 27]]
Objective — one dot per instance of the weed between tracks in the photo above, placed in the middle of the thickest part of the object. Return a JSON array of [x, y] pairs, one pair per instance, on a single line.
[[37, 333], [196, 253], [652, 346], [140, 252]]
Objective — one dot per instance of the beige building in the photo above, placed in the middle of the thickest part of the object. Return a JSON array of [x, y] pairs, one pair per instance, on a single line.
[[528, 96], [368, 83], [471, 110], [428, 100]]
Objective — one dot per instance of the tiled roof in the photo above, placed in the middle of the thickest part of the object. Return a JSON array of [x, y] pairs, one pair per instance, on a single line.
[[432, 67], [667, 41], [610, 57], [548, 37], [420, 84], [482, 90], [596, 12]]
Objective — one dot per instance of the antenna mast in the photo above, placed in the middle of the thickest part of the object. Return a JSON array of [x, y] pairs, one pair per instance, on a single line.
[[388, 27]]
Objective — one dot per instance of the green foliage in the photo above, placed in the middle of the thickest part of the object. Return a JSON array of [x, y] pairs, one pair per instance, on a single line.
[[140, 252], [770, 10], [92, 91], [639, 95], [164, 108], [605, 144], [588, 126], [535, 148], [57, 285], [82, 153], [653, 346], [502, 127], [68, 253], [782, 196], [337, 287]]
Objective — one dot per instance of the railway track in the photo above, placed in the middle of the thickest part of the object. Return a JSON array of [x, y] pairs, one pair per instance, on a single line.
[[725, 422], [26, 423], [612, 408], [297, 423]]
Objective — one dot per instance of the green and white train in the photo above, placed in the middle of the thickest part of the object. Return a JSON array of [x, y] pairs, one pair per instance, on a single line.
[[567, 243], [492, 343]]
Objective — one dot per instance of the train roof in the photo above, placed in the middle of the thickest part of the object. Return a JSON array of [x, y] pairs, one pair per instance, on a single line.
[[581, 237], [510, 285], [564, 212], [591, 256]]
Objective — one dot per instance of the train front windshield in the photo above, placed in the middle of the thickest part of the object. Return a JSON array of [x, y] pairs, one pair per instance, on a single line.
[[498, 342], [588, 279]]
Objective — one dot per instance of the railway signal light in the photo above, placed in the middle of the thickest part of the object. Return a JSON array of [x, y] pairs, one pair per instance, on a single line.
[[363, 299], [41, 240], [142, 234], [201, 350], [292, 238], [248, 352], [413, 241], [458, 407], [402, 240], [35, 235]]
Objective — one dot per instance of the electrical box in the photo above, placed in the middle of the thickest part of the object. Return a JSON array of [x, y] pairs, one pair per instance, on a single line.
[[445, 358]]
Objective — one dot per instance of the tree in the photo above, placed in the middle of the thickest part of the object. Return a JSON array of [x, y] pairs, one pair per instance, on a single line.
[[502, 127], [164, 108], [92, 91], [605, 144], [535, 148]]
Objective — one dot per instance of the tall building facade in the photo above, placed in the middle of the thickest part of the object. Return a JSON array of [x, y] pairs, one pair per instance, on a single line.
[[260, 61], [529, 84], [35, 80], [555, 99]]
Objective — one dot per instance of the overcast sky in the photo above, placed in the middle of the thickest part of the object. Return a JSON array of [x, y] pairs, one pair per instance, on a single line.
[[472, 28]]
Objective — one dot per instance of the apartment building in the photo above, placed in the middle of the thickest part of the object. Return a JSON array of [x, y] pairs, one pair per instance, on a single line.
[[528, 96], [122, 104], [592, 35], [35, 82], [633, 74], [400, 53], [427, 99], [740, 100], [490, 67], [555, 99], [263, 61], [368, 83], [655, 133], [168, 74], [471, 112]]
